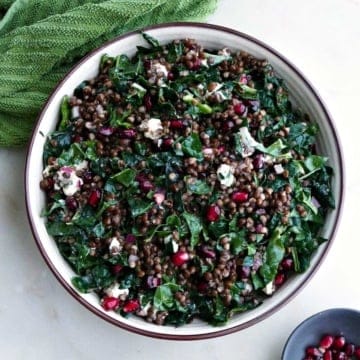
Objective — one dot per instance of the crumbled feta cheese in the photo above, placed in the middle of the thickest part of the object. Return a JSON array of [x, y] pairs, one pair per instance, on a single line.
[[225, 174], [225, 51], [48, 169], [269, 288], [81, 165], [153, 128], [221, 97], [248, 143], [75, 112], [278, 169], [68, 181], [159, 69], [144, 310], [116, 292], [114, 246]]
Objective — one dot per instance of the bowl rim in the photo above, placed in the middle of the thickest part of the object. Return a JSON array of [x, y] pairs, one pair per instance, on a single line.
[[234, 328], [329, 311]]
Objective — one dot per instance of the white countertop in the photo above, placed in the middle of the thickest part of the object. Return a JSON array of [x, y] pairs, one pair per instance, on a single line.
[[39, 320]]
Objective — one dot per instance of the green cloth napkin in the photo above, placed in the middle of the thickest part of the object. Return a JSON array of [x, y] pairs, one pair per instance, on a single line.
[[40, 40]]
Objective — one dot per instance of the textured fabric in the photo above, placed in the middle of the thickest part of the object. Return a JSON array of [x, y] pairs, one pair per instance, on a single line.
[[40, 40]]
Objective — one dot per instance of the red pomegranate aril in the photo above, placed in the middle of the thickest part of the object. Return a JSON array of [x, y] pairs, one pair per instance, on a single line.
[[227, 125], [279, 279], [94, 197], [220, 149], [349, 349], [130, 238], [313, 351], [110, 303], [71, 203], [116, 269], [327, 340], [176, 124], [357, 352], [87, 177], [196, 64], [180, 258], [170, 76], [146, 186], [328, 355], [339, 356], [167, 143], [239, 196], [245, 272], [339, 342], [131, 306], [288, 264], [78, 138], [258, 161], [213, 213], [202, 287], [127, 133], [239, 108], [148, 102]]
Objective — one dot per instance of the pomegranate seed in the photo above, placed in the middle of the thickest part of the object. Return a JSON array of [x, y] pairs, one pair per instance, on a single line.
[[313, 351], [327, 355], [239, 196], [148, 102], [147, 64], [196, 64], [327, 340], [357, 353], [131, 305], [202, 287], [213, 213], [176, 124], [239, 108], [243, 79], [115, 269], [153, 282], [71, 203], [339, 342], [167, 143], [110, 303], [78, 138], [170, 76], [207, 252], [340, 356], [159, 197], [227, 125], [287, 264], [254, 105], [146, 186], [245, 272], [258, 162], [87, 177], [180, 258], [130, 238], [349, 349], [94, 198], [220, 149], [127, 133], [279, 279]]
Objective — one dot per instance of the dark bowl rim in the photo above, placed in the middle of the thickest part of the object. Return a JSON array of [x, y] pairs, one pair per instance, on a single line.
[[304, 323], [234, 328]]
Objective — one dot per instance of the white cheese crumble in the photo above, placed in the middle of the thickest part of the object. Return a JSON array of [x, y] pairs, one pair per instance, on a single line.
[[46, 172], [248, 143], [153, 128], [116, 292], [81, 165], [269, 288], [159, 69], [225, 174], [114, 246], [278, 169], [68, 181], [144, 310], [216, 91]]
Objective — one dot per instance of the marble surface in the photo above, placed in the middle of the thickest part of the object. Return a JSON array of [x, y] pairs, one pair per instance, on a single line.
[[39, 320]]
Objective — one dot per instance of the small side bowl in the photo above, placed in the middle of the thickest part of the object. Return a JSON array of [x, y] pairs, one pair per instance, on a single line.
[[332, 321], [211, 37]]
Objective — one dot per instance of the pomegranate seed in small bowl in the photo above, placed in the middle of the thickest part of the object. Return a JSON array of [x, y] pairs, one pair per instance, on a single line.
[[332, 334]]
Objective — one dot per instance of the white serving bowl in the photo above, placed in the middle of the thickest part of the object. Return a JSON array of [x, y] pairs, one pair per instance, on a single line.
[[211, 37]]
